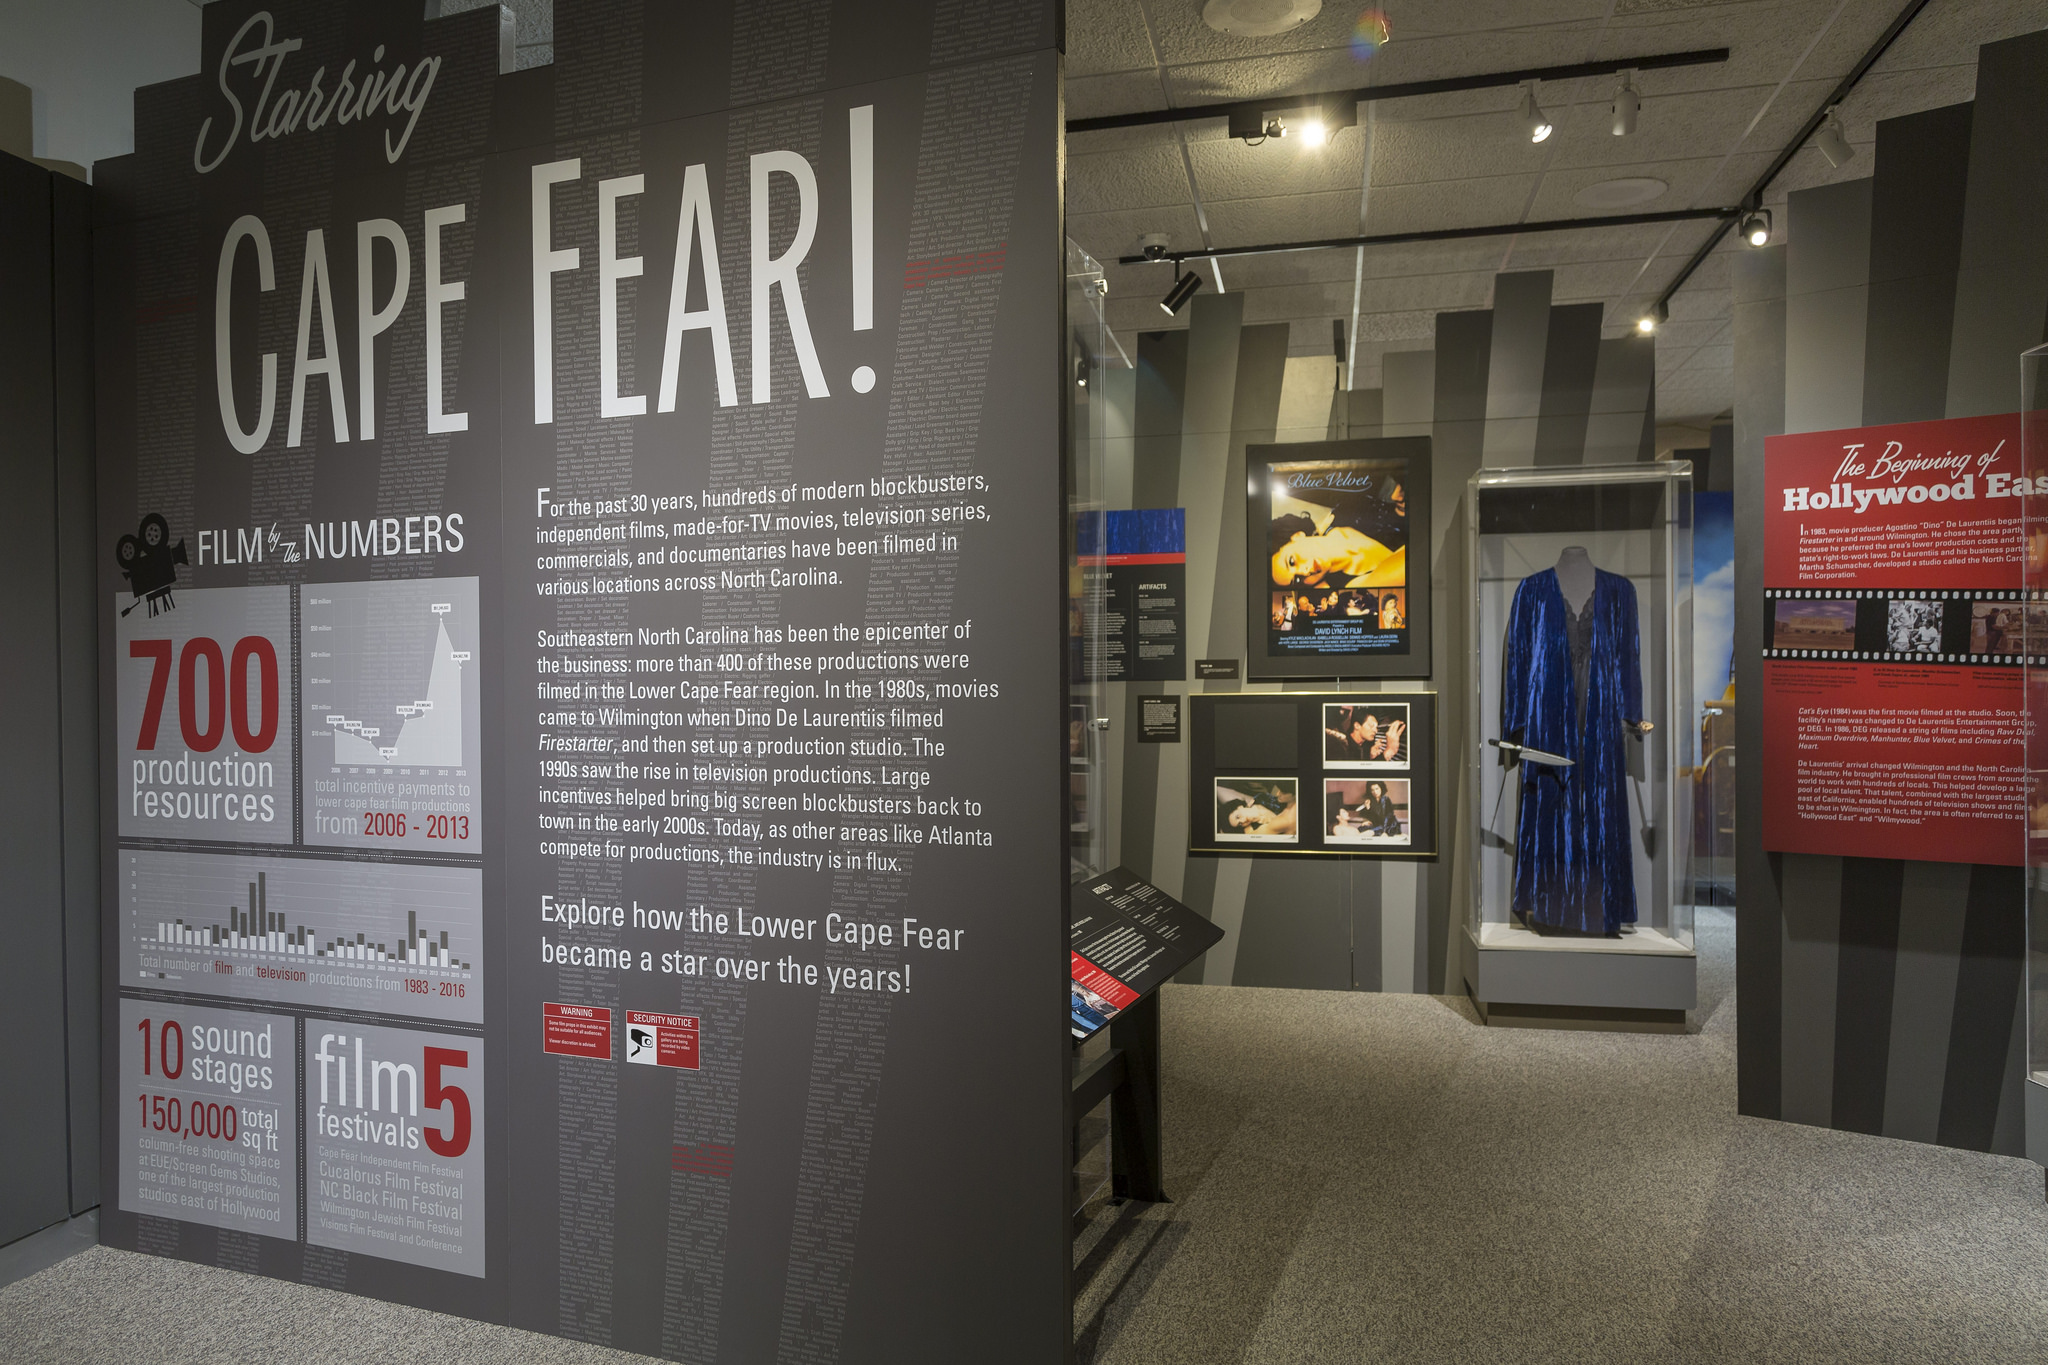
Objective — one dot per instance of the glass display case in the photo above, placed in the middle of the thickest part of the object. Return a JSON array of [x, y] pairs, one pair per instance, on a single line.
[[1581, 740], [2034, 518], [1087, 737]]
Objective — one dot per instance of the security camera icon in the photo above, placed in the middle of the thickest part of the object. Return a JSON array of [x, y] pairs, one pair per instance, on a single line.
[[639, 1041]]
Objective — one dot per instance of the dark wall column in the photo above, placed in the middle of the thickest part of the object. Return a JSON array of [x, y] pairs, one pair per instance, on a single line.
[[34, 1143], [1759, 305], [2002, 283]]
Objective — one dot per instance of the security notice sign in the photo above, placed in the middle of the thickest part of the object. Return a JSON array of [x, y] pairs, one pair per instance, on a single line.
[[1893, 642], [582, 646]]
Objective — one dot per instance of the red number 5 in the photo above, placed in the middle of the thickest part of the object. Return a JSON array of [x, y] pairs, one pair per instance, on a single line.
[[456, 1139]]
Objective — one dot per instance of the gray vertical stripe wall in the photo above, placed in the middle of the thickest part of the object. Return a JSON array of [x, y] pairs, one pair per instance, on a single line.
[[1878, 995], [1521, 383]]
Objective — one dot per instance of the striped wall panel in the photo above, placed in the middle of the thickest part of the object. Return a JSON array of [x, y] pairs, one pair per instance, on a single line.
[[1541, 386], [1877, 995]]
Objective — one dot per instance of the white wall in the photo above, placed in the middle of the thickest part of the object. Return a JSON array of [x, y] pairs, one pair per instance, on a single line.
[[84, 58]]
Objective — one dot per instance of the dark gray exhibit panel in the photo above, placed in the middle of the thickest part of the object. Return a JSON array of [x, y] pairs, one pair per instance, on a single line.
[[583, 725]]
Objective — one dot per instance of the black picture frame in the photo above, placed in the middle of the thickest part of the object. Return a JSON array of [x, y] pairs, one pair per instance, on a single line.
[[1374, 624], [1249, 745]]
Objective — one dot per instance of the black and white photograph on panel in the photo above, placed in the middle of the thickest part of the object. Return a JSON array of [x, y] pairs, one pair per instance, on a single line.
[[1365, 735], [1366, 811], [1258, 810], [1363, 762]]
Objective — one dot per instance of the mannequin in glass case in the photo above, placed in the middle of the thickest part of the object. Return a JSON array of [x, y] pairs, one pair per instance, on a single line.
[[1572, 685]]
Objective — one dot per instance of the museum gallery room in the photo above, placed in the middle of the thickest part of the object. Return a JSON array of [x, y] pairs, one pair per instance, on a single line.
[[602, 587]]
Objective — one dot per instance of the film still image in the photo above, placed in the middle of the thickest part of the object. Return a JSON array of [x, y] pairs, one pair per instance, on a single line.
[[1913, 627], [1295, 609], [1258, 810], [2003, 627], [1825, 623], [1365, 736], [1339, 524], [1371, 810]]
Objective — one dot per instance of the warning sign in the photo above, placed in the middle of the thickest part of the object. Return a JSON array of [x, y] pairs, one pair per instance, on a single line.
[[576, 1031]]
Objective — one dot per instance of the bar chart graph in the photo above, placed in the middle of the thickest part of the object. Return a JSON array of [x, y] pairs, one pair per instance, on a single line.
[[391, 938]]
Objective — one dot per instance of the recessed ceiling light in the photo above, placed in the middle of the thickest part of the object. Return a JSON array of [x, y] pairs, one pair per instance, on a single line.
[[1620, 194], [1259, 18]]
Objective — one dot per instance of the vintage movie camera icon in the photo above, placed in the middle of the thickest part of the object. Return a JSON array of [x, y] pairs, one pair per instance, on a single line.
[[150, 564]]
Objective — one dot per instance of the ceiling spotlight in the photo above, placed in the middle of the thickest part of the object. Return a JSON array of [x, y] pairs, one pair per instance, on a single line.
[[1532, 118], [1650, 321], [1831, 142], [1081, 371], [1756, 227], [1184, 287], [1626, 103], [1314, 133]]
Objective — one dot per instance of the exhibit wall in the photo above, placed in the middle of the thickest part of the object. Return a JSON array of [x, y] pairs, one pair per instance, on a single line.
[[1519, 383], [1883, 995], [580, 571]]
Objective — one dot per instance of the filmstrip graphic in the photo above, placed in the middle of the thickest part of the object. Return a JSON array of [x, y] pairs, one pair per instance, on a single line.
[[1982, 628]]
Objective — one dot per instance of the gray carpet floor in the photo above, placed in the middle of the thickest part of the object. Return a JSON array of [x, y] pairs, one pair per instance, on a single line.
[[1368, 1177], [1379, 1177]]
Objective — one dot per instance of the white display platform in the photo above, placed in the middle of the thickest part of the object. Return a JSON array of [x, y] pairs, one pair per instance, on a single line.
[[1505, 964], [1515, 938]]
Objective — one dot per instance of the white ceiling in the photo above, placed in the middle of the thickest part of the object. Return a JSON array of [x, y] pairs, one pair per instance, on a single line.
[[1457, 160]]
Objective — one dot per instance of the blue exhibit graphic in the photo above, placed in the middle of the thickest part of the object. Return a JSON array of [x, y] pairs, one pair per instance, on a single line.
[[390, 698], [316, 933]]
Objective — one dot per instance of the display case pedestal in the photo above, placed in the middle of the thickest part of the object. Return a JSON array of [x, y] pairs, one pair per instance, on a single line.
[[1649, 983]]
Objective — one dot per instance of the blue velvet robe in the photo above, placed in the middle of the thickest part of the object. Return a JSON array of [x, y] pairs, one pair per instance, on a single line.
[[1574, 859]]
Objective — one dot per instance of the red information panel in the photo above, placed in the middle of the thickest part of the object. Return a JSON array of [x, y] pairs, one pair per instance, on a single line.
[[1090, 977], [576, 1031], [661, 1039], [1893, 642]]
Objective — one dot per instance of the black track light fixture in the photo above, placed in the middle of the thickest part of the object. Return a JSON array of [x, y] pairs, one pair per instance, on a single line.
[[1184, 287], [1756, 227]]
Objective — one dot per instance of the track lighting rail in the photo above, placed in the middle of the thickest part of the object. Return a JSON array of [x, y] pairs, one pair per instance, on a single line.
[[1439, 235], [1317, 100], [1755, 195]]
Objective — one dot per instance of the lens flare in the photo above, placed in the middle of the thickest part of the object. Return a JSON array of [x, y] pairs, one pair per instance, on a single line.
[[1370, 34]]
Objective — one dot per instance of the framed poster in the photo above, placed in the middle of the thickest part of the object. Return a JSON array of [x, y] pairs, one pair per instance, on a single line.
[[1312, 773], [1337, 559]]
